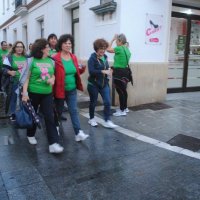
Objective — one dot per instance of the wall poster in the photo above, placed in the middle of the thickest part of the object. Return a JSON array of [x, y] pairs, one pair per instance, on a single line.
[[154, 29]]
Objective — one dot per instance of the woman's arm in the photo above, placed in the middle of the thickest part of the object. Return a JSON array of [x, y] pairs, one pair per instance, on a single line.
[[91, 67], [110, 49], [51, 80], [25, 88]]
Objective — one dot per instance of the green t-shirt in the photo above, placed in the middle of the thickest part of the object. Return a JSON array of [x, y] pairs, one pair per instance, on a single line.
[[18, 63], [3, 54], [120, 59], [41, 70], [70, 72], [52, 52]]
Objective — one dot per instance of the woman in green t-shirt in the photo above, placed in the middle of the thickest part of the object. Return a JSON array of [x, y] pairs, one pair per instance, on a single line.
[[3, 53], [38, 87], [13, 65], [120, 72]]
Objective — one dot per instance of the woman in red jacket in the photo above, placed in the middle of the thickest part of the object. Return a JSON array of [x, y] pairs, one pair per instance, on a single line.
[[67, 80]]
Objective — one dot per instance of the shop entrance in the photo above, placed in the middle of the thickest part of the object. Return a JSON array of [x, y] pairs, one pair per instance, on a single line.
[[184, 53]]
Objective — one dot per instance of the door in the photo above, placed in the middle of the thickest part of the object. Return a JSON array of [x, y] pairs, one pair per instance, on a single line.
[[184, 53], [193, 75], [75, 31]]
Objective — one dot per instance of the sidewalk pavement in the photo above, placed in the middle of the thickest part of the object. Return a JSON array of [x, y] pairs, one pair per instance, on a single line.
[[152, 155]]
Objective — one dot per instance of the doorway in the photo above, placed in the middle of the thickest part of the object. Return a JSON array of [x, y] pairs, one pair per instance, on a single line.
[[75, 31], [184, 53]]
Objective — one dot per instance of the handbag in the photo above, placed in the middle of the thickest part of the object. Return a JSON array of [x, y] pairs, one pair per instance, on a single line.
[[130, 76], [23, 117]]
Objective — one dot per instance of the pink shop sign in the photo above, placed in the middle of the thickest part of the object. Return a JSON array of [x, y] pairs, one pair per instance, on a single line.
[[154, 29]]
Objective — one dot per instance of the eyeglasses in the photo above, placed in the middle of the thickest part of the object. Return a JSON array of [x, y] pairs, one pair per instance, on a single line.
[[102, 48], [19, 47]]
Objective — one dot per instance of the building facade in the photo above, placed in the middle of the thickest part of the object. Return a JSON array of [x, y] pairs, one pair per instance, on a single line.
[[159, 35]]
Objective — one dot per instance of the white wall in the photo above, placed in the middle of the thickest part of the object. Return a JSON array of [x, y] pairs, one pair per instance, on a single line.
[[129, 18], [93, 27], [133, 24]]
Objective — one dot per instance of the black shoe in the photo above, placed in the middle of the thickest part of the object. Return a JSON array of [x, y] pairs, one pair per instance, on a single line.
[[63, 118]]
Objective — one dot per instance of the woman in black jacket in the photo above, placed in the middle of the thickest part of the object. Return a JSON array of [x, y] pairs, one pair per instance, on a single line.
[[98, 82]]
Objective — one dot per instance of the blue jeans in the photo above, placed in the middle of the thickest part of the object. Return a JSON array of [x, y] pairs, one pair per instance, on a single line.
[[105, 94], [71, 100], [13, 99]]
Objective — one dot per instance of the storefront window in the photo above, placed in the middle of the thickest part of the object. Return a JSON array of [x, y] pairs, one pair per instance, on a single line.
[[193, 77], [176, 52]]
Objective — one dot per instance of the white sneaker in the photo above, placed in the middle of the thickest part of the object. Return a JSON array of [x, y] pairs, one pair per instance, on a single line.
[[92, 122], [55, 148], [126, 110], [32, 140], [119, 113], [81, 136], [109, 124]]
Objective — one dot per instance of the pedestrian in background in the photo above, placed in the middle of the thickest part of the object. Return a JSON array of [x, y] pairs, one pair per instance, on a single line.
[[29, 50], [9, 47], [3, 52], [98, 82], [13, 65], [120, 75], [67, 80], [52, 40], [38, 88]]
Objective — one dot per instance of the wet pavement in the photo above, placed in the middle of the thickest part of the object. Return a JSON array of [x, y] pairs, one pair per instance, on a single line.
[[120, 164]]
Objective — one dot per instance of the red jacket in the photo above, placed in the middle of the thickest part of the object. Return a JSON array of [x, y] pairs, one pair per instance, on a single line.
[[59, 86]]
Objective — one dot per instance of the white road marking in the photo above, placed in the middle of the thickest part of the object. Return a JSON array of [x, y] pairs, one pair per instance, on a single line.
[[146, 139]]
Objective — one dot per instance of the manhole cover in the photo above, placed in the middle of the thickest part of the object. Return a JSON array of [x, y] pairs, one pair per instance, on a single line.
[[186, 142]]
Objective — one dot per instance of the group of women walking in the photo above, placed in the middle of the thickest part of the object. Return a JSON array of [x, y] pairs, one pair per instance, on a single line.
[[52, 77]]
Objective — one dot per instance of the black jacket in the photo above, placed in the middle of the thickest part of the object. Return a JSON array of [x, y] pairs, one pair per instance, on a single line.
[[95, 65]]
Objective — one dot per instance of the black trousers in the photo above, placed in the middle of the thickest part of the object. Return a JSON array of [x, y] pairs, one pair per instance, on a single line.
[[1, 73], [121, 88], [46, 107]]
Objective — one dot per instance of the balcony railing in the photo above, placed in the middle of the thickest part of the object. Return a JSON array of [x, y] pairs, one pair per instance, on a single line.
[[20, 7], [19, 3], [106, 6]]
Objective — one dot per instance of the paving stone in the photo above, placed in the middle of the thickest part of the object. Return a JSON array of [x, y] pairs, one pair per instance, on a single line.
[[35, 191], [3, 195], [19, 178]]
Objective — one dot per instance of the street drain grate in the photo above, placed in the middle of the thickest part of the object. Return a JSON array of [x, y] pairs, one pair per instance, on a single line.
[[186, 142], [151, 106]]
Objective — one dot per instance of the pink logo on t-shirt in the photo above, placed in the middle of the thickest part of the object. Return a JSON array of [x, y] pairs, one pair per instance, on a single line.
[[45, 73], [20, 68]]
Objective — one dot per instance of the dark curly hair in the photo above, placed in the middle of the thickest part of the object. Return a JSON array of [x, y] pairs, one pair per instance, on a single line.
[[100, 44], [38, 46], [64, 38]]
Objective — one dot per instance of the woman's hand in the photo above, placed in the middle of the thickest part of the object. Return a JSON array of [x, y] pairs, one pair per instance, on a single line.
[[115, 37], [12, 73], [51, 81], [82, 68], [108, 71], [25, 96]]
